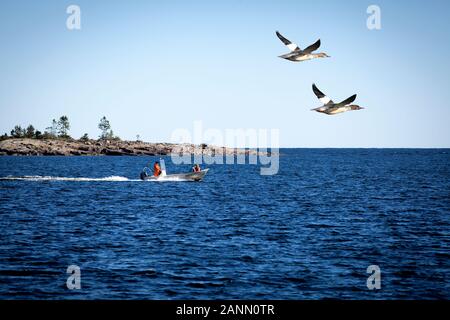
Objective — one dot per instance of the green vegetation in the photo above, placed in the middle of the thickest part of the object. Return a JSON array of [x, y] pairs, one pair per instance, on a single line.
[[17, 132], [63, 127], [84, 137], [30, 132], [50, 132], [59, 129], [105, 127]]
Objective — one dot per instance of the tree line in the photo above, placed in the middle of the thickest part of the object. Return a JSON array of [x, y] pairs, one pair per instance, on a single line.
[[59, 129]]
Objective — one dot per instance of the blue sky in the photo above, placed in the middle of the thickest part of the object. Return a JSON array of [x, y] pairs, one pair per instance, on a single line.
[[152, 67]]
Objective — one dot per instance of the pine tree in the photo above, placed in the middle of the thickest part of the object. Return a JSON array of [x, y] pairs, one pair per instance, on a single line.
[[105, 127], [30, 131], [63, 126], [17, 132], [52, 130]]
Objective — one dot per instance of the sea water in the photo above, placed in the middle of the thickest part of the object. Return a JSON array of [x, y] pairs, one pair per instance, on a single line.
[[309, 232]]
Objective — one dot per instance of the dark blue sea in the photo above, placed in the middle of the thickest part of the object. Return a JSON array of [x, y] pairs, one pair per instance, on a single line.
[[309, 232]]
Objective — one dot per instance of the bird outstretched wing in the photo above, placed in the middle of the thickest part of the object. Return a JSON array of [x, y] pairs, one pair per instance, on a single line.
[[347, 101], [312, 47], [321, 96], [287, 43]]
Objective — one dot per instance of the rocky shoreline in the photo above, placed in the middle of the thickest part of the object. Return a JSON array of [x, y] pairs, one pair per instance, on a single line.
[[60, 147]]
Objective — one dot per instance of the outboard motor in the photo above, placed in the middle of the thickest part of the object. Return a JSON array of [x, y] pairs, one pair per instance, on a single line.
[[144, 173]]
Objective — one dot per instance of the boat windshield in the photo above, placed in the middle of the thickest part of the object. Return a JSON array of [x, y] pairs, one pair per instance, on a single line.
[[163, 167]]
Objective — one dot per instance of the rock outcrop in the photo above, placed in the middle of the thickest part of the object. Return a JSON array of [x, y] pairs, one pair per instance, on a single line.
[[59, 147]]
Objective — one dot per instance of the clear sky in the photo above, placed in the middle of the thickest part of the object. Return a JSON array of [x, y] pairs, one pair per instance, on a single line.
[[151, 67]]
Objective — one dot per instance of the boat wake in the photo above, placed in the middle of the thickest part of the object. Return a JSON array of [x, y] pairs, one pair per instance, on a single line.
[[51, 178], [83, 179]]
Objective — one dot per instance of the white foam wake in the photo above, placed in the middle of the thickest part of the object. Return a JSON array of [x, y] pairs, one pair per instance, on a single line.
[[51, 178], [110, 179]]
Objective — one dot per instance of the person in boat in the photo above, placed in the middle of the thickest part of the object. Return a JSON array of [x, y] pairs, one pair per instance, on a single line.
[[156, 169], [196, 168]]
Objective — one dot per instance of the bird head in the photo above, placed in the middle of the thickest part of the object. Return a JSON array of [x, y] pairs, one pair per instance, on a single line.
[[323, 55], [355, 107]]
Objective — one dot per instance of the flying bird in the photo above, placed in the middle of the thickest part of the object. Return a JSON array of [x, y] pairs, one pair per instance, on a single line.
[[298, 54], [330, 108]]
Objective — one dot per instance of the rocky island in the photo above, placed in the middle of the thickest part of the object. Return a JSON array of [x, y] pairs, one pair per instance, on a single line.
[[71, 147], [56, 141]]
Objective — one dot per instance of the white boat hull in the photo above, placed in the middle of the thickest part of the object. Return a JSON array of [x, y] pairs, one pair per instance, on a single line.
[[191, 176]]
